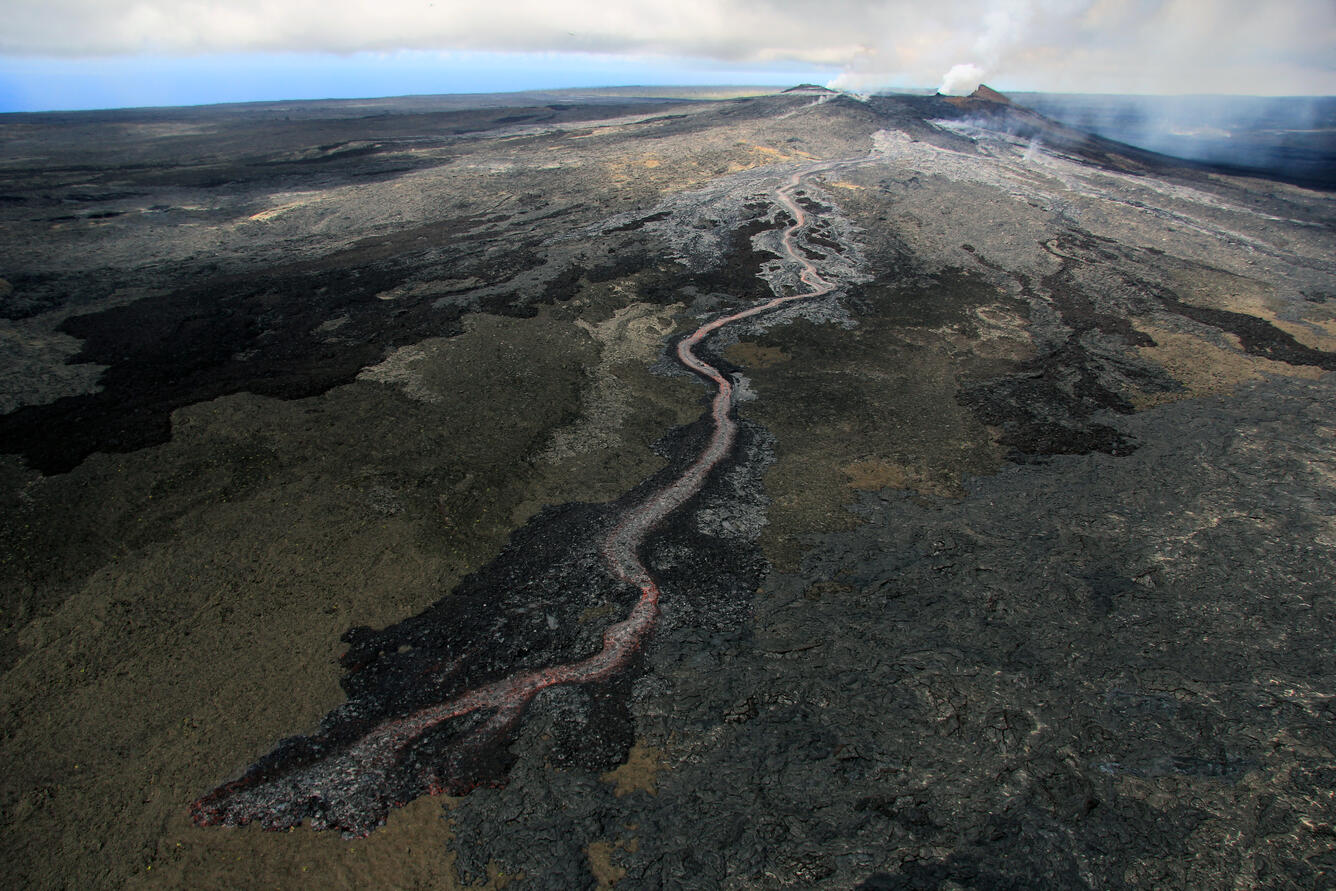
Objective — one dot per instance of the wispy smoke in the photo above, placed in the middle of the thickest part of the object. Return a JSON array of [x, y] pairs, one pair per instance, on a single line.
[[1294, 137], [1005, 26]]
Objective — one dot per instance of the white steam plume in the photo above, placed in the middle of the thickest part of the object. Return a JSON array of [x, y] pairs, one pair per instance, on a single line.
[[1006, 24], [961, 80]]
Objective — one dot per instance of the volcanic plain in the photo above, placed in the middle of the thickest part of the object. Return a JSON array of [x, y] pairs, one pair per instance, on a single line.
[[317, 418]]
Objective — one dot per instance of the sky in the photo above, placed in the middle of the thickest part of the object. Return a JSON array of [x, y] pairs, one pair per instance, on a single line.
[[60, 54]]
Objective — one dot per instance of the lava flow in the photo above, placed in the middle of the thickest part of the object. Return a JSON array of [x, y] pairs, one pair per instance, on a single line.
[[349, 781]]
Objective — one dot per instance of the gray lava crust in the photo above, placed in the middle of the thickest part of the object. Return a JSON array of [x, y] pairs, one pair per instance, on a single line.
[[1017, 574]]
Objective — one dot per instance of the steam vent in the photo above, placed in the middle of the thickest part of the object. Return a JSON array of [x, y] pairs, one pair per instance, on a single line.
[[580, 490]]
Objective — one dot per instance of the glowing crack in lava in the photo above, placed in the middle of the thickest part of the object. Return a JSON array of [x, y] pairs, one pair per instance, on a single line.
[[348, 779]]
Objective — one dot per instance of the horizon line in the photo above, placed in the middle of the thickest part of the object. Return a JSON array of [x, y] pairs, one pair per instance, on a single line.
[[743, 90]]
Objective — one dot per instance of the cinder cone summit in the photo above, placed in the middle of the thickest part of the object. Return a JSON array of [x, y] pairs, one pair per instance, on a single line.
[[986, 93], [982, 93]]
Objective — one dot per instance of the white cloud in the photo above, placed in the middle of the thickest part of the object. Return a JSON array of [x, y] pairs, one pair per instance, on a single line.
[[1110, 45]]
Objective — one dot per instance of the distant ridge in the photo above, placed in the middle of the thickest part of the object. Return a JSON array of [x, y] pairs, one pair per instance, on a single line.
[[810, 88]]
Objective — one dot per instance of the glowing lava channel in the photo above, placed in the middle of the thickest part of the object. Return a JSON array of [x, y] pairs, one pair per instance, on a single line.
[[368, 760]]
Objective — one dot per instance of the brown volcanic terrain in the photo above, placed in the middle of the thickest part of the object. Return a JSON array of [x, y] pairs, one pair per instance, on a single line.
[[1019, 574]]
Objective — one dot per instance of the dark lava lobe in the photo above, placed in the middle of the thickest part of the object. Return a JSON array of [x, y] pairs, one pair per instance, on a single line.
[[260, 332], [267, 331], [1067, 399], [544, 601]]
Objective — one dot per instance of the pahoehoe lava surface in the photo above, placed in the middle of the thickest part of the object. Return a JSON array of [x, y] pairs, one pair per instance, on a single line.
[[1000, 556]]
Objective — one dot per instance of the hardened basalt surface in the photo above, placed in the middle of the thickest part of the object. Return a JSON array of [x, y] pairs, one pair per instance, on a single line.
[[1013, 574]]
